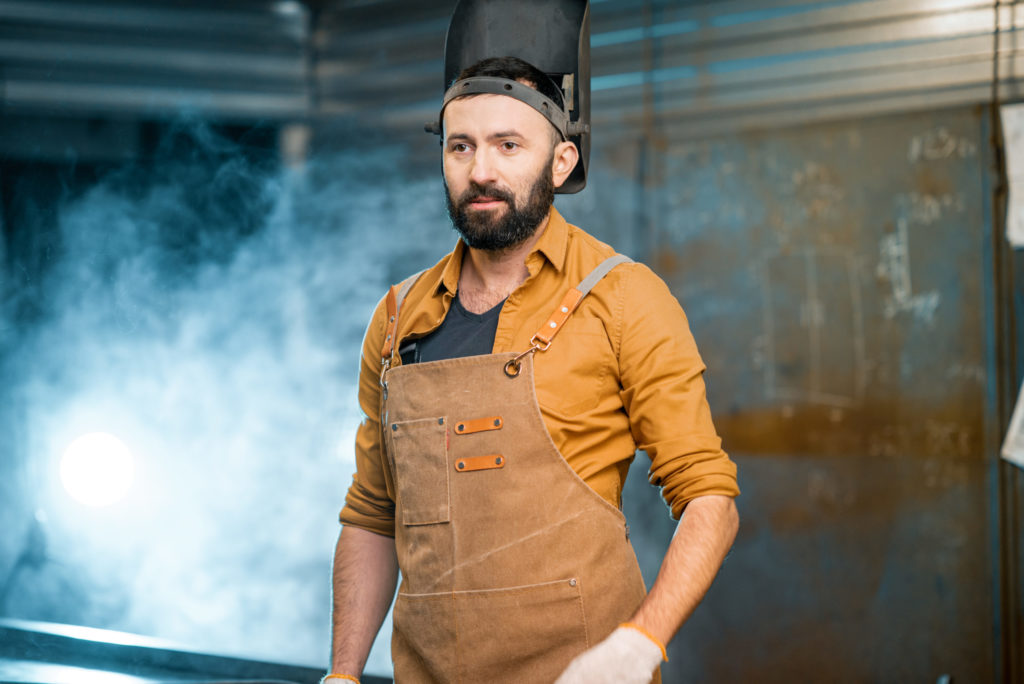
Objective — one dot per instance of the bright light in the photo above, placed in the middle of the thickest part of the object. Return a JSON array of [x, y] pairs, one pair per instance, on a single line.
[[97, 469]]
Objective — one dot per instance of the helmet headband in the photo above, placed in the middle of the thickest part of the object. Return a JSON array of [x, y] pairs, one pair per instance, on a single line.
[[489, 85]]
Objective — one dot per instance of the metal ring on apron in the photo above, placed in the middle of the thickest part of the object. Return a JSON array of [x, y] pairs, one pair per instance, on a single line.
[[514, 365]]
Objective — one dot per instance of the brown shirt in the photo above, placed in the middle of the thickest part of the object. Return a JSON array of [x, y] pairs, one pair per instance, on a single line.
[[622, 374]]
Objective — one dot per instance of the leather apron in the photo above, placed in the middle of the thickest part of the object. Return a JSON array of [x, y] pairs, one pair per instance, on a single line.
[[511, 564]]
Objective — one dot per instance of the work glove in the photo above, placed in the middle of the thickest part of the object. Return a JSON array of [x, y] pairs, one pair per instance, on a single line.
[[628, 656]]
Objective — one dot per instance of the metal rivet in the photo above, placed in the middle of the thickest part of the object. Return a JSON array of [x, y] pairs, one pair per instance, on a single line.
[[572, 583], [394, 426], [565, 309], [462, 464], [460, 427], [440, 421], [497, 461], [389, 337], [391, 320], [552, 324], [497, 422], [508, 86]]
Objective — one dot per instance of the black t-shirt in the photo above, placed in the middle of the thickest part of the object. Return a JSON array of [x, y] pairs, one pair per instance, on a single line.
[[461, 333]]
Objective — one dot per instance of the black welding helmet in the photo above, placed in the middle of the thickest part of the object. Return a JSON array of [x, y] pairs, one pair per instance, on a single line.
[[552, 35]]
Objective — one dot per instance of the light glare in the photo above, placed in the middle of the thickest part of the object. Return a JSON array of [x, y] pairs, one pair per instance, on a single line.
[[97, 469]]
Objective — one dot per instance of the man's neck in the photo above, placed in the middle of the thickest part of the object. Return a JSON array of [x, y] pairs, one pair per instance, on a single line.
[[488, 277]]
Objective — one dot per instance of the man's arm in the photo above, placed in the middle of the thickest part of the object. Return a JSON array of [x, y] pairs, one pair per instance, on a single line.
[[630, 654], [365, 574], [703, 536]]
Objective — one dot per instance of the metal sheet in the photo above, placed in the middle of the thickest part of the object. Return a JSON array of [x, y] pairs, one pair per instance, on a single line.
[[690, 70], [232, 61], [835, 277]]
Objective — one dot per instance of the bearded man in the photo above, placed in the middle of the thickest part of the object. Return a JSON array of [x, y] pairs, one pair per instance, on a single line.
[[506, 391]]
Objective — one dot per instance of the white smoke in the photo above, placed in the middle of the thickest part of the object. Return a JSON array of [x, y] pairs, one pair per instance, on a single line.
[[208, 310]]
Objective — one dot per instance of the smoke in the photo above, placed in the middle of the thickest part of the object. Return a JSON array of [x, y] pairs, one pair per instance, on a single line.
[[207, 308]]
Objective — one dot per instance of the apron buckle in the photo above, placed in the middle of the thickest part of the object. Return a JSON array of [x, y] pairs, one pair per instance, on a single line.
[[515, 364]]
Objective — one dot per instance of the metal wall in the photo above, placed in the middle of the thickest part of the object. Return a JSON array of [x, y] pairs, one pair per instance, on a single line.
[[157, 58], [693, 69], [838, 281]]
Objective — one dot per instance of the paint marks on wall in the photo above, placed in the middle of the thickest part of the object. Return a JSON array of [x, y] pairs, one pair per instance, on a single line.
[[894, 266], [813, 340], [940, 143]]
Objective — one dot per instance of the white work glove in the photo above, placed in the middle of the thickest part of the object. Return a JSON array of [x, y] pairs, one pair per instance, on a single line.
[[627, 656]]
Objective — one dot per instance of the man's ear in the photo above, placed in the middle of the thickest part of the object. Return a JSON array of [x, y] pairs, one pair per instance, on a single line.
[[564, 161]]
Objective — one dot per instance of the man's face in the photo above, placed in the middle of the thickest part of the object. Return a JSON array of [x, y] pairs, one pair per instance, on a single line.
[[498, 157]]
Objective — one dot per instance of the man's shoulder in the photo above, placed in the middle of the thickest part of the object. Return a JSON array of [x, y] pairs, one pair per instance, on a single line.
[[412, 288], [413, 285], [425, 283], [586, 252]]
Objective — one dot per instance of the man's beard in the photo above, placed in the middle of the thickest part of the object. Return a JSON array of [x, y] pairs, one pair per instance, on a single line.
[[482, 230]]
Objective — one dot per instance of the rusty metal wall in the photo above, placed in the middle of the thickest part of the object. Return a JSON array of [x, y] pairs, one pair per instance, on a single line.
[[838, 279]]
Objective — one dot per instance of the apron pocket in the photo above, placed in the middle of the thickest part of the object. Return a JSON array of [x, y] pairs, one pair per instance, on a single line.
[[520, 634], [418, 452]]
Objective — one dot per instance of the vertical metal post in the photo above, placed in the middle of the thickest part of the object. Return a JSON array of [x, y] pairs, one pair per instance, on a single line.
[[1010, 479]]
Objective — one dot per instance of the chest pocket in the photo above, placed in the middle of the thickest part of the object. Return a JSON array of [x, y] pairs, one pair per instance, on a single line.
[[418, 451], [569, 376]]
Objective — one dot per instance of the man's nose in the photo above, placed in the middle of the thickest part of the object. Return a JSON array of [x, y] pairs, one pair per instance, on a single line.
[[482, 170]]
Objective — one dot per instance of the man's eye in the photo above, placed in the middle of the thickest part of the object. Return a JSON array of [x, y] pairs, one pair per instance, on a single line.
[[509, 146], [459, 147]]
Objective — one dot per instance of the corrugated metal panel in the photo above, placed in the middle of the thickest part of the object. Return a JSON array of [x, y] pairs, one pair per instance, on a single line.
[[740, 68], [685, 70], [696, 69], [228, 60]]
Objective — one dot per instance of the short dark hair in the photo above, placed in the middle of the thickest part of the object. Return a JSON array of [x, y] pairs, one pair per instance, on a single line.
[[516, 69]]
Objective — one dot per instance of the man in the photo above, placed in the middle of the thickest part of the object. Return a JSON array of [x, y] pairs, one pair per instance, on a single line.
[[506, 390]]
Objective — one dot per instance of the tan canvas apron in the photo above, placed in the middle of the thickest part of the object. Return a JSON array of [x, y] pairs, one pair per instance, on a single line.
[[511, 564]]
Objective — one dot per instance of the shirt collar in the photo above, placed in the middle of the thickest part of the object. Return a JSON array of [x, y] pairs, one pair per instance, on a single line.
[[552, 244]]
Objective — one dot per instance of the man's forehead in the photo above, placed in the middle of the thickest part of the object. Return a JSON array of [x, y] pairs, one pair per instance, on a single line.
[[487, 114]]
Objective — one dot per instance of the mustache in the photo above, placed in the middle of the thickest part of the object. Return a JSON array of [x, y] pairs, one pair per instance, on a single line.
[[490, 190]]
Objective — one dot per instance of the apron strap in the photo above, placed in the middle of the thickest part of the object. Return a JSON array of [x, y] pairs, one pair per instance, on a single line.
[[541, 339], [573, 298], [396, 295]]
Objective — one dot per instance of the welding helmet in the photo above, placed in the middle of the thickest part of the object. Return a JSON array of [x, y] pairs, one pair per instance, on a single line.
[[552, 35]]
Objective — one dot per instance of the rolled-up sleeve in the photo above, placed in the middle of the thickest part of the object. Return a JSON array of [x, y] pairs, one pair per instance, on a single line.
[[663, 393], [368, 504]]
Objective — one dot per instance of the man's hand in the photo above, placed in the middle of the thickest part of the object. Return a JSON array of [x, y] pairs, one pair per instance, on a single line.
[[627, 656]]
